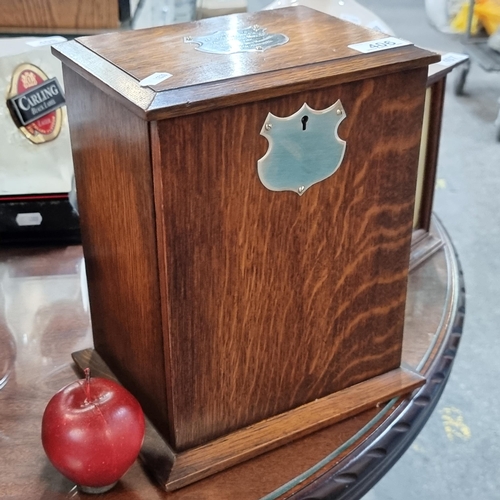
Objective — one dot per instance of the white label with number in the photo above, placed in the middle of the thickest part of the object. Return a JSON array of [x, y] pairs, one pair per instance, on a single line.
[[29, 219], [46, 41], [382, 44], [154, 79], [452, 58]]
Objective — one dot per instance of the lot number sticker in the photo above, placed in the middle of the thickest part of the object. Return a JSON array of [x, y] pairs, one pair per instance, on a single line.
[[377, 45]]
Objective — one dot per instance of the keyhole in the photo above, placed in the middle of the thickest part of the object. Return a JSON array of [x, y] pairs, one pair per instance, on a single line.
[[304, 122]]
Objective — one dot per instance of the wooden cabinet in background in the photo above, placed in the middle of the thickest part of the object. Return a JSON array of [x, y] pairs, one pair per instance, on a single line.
[[424, 241], [64, 16]]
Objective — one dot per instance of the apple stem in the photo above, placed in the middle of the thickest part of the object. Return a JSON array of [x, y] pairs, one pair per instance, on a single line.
[[87, 382]]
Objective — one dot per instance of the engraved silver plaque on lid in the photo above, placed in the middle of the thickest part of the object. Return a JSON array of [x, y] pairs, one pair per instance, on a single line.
[[304, 148], [251, 39]]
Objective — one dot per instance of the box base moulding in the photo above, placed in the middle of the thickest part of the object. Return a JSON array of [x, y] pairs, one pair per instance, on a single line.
[[174, 470], [423, 245]]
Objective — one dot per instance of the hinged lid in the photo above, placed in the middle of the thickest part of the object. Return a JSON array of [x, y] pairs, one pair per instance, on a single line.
[[232, 59]]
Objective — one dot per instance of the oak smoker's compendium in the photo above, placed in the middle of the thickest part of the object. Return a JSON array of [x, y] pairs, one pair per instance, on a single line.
[[246, 221]]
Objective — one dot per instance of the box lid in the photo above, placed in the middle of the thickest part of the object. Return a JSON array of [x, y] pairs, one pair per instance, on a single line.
[[284, 51]]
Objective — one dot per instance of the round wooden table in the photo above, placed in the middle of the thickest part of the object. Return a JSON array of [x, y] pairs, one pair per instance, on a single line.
[[44, 317]]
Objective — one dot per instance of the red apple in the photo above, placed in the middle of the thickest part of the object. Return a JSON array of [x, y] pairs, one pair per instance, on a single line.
[[92, 431]]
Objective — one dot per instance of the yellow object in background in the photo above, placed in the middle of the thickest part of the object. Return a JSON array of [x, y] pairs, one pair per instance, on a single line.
[[459, 22], [486, 14]]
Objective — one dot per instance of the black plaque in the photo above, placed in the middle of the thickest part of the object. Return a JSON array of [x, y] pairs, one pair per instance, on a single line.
[[37, 101]]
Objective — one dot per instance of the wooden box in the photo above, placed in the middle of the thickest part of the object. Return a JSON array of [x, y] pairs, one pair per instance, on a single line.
[[240, 316], [424, 241]]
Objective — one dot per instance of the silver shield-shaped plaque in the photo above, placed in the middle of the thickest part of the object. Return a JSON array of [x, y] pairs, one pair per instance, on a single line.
[[251, 39], [304, 148]]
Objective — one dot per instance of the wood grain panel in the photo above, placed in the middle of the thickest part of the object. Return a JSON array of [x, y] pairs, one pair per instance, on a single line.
[[275, 299], [204, 81], [168, 52], [54, 14], [123, 86], [113, 174], [253, 88], [431, 159]]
